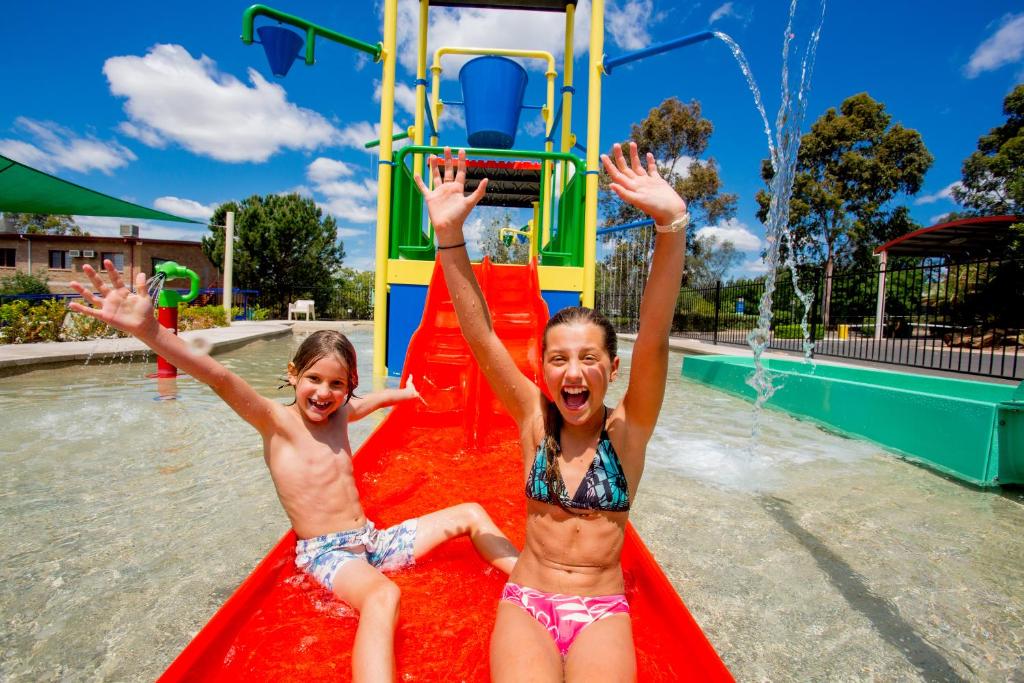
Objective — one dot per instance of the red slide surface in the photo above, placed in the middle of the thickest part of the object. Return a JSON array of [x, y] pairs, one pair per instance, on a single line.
[[460, 446]]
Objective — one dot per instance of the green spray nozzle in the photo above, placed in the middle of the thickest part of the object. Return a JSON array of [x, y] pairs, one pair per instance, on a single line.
[[172, 271]]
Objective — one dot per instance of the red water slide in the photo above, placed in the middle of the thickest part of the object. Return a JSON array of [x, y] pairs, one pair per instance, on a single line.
[[460, 446]]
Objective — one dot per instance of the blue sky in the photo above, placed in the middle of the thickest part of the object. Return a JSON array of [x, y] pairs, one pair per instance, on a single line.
[[162, 104]]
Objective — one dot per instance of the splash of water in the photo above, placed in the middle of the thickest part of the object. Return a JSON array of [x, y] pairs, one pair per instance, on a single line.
[[783, 150], [154, 286]]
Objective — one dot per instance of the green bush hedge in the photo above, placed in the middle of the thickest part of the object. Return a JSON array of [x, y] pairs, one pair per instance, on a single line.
[[200, 317], [796, 332], [49, 320]]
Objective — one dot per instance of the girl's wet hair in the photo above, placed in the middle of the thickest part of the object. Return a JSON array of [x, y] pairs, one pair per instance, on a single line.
[[578, 314], [325, 343], [552, 417]]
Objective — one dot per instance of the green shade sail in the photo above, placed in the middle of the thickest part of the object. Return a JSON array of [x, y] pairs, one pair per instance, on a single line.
[[26, 190]]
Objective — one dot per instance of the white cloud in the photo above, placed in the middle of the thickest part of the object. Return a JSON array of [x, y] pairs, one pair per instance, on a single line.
[[405, 96], [751, 268], [733, 231], [681, 167], [56, 147], [353, 232], [627, 26], [349, 200], [188, 208], [1005, 46], [534, 126], [322, 170], [722, 12], [627, 29], [941, 218], [356, 135], [944, 193], [173, 97], [102, 226]]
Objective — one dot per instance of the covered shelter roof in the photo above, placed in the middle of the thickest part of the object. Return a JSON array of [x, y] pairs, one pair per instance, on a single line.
[[976, 237], [27, 190]]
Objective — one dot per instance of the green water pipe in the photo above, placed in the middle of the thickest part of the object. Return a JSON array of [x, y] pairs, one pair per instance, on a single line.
[[172, 271], [312, 31]]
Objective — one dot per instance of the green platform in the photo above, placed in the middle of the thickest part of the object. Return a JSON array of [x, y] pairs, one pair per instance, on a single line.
[[971, 430]]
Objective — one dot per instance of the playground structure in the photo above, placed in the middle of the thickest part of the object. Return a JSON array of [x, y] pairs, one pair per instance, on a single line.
[[560, 187], [461, 433]]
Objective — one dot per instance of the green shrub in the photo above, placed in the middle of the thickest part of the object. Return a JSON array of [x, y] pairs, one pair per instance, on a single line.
[[259, 313], [796, 332], [23, 283], [200, 317], [21, 323], [80, 327]]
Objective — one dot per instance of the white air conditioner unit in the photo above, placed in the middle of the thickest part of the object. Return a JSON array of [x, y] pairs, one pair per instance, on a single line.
[[74, 253], [129, 230], [88, 253]]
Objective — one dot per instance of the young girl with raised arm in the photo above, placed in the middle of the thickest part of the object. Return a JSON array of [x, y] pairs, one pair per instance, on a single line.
[[563, 614], [306, 448]]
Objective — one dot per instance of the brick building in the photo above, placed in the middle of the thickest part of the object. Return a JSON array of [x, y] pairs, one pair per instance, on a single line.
[[61, 257]]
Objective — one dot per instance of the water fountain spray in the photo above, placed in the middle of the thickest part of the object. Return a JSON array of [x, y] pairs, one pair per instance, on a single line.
[[167, 305]]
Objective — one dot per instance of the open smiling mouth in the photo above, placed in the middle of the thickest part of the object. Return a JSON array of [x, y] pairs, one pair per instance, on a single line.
[[319, 405], [575, 397]]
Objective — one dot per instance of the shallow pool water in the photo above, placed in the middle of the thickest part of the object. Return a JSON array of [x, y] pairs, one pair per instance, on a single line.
[[126, 521]]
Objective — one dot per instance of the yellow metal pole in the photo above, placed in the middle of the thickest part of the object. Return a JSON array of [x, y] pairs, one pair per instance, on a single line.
[[570, 25], [421, 86], [435, 100], [549, 168], [593, 149], [387, 123], [534, 238]]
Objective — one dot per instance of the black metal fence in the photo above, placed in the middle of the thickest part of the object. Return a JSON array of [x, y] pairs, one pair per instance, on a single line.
[[958, 317], [351, 302]]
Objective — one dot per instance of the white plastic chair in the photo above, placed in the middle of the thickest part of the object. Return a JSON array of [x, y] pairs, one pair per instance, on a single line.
[[304, 306]]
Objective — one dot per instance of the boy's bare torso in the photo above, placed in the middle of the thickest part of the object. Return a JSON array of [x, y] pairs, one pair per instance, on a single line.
[[311, 465]]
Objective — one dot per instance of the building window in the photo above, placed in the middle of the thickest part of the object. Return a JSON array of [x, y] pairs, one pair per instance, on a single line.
[[60, 259], [7, 257], [115, 257], [156, 261]]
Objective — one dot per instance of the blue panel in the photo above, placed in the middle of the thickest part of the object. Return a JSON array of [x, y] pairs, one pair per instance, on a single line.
[[405, 311], [557, 300]]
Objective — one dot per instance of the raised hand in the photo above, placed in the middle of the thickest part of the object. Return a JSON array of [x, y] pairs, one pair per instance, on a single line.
[[116, 305], [447, 203], [644, 189]]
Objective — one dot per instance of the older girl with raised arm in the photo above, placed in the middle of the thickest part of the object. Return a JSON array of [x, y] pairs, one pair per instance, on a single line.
[[563, 614]]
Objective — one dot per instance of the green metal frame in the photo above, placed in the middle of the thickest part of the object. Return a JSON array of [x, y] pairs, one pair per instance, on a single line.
[[408, 240], [312, 31]]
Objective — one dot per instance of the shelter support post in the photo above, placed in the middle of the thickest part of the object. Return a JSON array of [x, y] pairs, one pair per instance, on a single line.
[[880, 301], [229, 261]]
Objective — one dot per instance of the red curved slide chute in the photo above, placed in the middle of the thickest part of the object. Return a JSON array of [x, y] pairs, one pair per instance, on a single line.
[[460, 446]]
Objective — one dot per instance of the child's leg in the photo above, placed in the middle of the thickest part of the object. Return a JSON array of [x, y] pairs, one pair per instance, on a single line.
[[376, 598], [460, 520]]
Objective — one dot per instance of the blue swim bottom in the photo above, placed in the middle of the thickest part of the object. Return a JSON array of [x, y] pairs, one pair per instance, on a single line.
[[388, 550]]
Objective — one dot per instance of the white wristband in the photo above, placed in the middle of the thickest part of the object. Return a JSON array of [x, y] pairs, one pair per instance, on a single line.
[[678, 225]]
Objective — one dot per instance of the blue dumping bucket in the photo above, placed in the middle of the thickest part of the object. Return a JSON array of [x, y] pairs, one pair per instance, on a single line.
[[282, 47], [492, 89]]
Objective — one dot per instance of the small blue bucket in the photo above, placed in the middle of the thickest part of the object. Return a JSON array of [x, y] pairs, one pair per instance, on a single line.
[[492, 89], [282, 47]]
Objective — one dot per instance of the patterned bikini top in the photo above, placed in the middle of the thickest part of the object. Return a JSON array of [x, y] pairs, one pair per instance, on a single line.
[[603, 486]]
